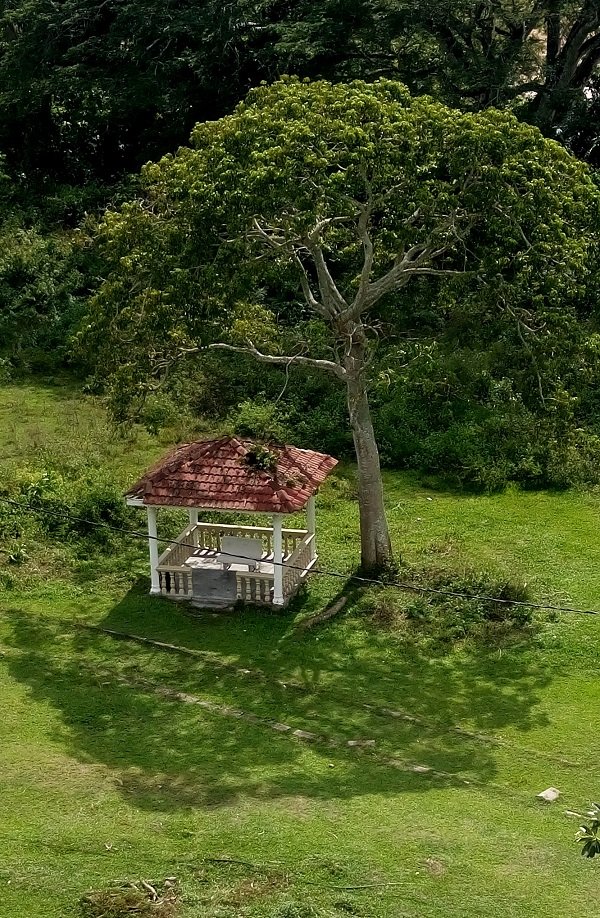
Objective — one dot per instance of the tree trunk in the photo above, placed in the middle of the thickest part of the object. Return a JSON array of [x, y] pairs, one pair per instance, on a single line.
[[375, 544], [552, 36]]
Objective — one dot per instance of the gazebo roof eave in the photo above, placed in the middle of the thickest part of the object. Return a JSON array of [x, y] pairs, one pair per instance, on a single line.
[[139, 503]]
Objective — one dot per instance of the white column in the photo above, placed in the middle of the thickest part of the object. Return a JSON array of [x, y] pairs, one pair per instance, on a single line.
[[277, 560], [311, 524], [194, 522], [153, 549]]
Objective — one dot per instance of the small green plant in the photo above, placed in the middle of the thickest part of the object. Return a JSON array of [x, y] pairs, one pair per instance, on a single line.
[[160, 411], [18, 555], [260, 457], [589, 834], [6, 581]]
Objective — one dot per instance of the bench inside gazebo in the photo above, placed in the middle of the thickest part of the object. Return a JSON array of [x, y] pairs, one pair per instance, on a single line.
[[216, 564]]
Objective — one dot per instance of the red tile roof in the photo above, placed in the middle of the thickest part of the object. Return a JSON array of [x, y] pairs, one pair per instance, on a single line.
[[219, 475]]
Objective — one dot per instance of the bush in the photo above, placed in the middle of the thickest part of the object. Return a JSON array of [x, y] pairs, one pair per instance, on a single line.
[[442, 619], [485, 441], [98, 505], [260, 420], [70, 506], [41, 292]]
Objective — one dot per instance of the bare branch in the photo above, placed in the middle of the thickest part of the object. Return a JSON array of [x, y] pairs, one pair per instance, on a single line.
[[286, 361], [367, 243], [309, 296], [268, 237], [331, 297], [417, 260], [275, 238]]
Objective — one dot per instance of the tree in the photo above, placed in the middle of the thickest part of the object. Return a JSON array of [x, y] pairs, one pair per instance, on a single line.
[[90, 90], [540, 57], [318, 219]]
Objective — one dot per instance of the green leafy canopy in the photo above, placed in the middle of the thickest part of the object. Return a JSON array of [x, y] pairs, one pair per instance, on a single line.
[[507, 216]]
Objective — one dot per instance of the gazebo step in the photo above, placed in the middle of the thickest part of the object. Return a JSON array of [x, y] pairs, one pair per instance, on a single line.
[[211, 602]]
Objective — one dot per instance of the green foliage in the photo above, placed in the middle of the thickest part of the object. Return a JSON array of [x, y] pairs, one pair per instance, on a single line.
[[461, 611], [456, 414], [589, 834], [123, 83], [318, 416], [530, 203], [63, 504], [261, 457], [40, 296], [118, 84], [261, 420]]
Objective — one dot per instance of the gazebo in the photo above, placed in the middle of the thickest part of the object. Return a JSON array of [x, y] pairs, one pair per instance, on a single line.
[[215, 564]]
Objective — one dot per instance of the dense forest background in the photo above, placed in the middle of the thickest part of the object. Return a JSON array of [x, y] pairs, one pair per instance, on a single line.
[[90, 91]]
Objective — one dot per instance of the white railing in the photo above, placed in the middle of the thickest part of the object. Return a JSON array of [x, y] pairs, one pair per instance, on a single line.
[[254, 586], [299, 555], [178, 550], [209, 535], [299, 563], [175, 582]]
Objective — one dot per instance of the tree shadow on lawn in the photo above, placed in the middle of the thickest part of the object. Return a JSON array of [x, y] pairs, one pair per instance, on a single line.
[[351, 657], [165, 754]]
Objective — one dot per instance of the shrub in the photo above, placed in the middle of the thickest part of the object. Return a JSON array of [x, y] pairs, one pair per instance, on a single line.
[[259, 419], [160, 411], [41, 292], [69, 506], [463, 610], [98, 505], [456, 416]]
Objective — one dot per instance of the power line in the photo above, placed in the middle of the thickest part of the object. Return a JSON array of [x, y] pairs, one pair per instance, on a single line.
[[319, 571]]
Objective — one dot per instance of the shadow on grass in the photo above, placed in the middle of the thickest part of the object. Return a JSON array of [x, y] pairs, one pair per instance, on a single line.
[[166, 754]]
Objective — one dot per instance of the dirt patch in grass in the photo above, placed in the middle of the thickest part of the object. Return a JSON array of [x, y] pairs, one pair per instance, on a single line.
[[154, 900], [436, 868], [252, 888], [233, 884]]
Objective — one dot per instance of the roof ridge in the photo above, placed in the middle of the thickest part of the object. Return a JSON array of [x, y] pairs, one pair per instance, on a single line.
[[239, 445]]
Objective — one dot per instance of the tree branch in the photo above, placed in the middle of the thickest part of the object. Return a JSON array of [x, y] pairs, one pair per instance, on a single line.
[[311, 300], [590, 55], [570, 54], [417, 260], [275, 238], [314, 363], [367, 243], [331, 297]]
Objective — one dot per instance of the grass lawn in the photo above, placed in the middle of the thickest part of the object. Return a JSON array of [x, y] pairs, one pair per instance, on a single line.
[[122, 762]]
